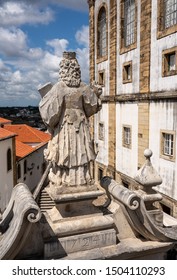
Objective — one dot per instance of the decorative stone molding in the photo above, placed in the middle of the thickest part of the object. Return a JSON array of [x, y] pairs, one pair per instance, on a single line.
[[125, 196], [138, 206], [17, 220], [137, 97]]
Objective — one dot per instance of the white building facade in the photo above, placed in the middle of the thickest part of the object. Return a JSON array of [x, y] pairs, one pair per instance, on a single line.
[[7, 167], [133, 55]]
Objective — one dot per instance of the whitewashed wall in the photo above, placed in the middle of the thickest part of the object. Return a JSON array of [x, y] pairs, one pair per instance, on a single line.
[[102, 116], [33, 176], [6, 177], [157, 82], [163, 116], [127, 159], [133, 55]]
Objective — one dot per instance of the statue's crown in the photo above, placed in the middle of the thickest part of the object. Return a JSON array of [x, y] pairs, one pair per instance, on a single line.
[[69, 55]]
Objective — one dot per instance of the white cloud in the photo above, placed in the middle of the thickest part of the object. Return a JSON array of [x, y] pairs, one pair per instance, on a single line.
[[83, 59], [12, 42], [23, 68], [59, 45], [19, 13], [3, 67], [82, 36]]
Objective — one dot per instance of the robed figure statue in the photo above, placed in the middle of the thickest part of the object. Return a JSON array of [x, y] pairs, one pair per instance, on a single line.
[[65, 110]]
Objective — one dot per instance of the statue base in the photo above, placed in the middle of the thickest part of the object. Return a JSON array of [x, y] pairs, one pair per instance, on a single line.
[[65, 193], [75, 224]]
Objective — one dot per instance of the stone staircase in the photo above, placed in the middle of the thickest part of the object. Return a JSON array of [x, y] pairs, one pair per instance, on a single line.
[[45, 202]]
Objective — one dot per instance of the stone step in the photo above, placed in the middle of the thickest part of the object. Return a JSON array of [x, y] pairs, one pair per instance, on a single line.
[[45, 201], [48, 205]]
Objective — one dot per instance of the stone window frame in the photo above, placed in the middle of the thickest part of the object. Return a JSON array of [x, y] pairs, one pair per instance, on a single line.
[[161, 30], [101, 78], [170, 157], [105, 57], [124, 144], [125, 72], [101, 135], [165, 62], [123, 48]]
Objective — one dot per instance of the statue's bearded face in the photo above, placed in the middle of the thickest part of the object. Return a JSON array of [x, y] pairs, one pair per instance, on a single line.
[[70, 72]]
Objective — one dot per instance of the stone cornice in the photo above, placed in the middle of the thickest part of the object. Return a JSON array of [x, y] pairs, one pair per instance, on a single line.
[[138, 97]]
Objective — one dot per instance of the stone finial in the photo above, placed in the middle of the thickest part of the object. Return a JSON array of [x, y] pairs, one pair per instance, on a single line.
[[69, 55], [147, 176]]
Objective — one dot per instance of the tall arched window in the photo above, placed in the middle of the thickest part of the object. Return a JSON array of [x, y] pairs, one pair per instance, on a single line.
[[129, 22], [102, 33], [9, 159]]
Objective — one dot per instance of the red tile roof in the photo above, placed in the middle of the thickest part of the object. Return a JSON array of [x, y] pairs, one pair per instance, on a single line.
[[4, 121], [22, 149], [27, 134], [4, 134]]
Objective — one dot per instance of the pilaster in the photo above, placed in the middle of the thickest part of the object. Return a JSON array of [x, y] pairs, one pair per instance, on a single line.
[[145, 52], [91, 4], [112, 75]]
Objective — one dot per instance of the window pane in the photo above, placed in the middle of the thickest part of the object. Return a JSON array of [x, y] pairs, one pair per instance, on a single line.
[[127, 136], [170, 12], [102, 36], [172, 62], [129, 22], [168, 144]]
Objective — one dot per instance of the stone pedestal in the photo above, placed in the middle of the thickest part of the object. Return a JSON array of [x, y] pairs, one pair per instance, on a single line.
[[75, 223]]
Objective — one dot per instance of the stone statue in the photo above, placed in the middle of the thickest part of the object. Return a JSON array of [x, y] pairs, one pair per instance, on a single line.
[[65, 109]]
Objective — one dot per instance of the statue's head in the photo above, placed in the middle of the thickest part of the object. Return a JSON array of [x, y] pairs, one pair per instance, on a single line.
[[70, 72]]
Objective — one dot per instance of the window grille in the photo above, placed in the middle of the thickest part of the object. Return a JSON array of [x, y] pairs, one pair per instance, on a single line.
[[101, 131], [102, 36], [127, 136], [168, 144], [129, 22], [170, 12]]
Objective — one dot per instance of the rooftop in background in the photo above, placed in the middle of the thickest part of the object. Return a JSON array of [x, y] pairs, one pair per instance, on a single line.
[[27, 134], [4, 121], [22, 150], [5, 134]]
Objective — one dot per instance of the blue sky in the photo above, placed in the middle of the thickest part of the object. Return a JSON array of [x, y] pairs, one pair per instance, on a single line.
[[33, 36]]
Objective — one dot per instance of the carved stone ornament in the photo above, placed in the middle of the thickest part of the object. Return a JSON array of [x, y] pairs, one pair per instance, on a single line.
[[147, 176], [15, 226]]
